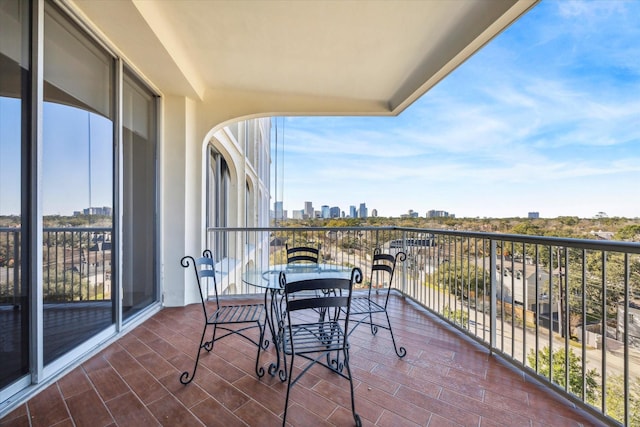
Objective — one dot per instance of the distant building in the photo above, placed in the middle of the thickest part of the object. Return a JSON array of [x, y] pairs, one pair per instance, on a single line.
[[278, 211], [334, 212], [533, 215], [105, 211], [362, 212], [297, 214], [374, 213], [308, 210], [353, 213], [519, 284], [410, 214], [633, 319], [325, 212], [438, 214]]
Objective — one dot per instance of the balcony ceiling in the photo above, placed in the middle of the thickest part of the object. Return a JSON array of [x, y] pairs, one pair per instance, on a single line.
[[348, 57]]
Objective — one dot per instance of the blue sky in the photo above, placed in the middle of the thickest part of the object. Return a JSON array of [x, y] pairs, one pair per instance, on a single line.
[[65, 165], [545, 118]]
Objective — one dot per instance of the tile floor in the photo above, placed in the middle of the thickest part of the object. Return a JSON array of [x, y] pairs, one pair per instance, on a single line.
[[444, 380]]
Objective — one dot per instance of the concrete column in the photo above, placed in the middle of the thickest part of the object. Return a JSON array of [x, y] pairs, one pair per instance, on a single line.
[[180, 205]]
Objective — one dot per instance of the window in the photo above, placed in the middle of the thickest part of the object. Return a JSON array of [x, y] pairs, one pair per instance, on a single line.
[[218, 183]]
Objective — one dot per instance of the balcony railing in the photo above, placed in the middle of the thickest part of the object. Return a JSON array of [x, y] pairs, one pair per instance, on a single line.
[[564, 311], [76, 264]]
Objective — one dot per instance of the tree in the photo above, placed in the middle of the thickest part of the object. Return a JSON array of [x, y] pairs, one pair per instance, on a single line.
[[528, 228], [462, 278], [629, 233], [615, 399], [555, 364]]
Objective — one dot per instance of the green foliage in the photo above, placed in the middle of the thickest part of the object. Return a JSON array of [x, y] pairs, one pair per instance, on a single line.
[[459, 317], [568, 220], [568, 226], [629, 233], [615, 399], [462, 278], [342, 222], [66, 287], [350, 243], [528, 228], [554, 364]]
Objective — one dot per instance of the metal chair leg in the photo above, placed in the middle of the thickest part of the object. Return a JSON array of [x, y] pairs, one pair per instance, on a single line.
[[260, 369], [286, 402], [184, 377], [356, 417], [400, 351]]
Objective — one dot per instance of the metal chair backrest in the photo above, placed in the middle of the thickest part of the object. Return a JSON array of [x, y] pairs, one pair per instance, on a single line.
[[333, 296], [302, 255], [383, 267], [205, 274]]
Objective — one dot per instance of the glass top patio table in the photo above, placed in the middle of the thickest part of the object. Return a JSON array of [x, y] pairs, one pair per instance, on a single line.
[[268, 278]]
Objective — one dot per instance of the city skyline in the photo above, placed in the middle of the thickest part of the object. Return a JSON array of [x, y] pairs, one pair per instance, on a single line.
[[354, 211], [543, 118], [325, 211]]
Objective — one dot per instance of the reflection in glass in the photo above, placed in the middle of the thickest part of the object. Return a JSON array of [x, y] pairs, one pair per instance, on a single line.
[[77, 187], [139, 200], [14, 344]]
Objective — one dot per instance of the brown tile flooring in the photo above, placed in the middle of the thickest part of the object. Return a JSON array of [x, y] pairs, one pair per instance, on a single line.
[[443, 381]]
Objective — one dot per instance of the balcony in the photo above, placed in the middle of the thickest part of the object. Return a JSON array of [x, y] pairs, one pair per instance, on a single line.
[[482, 316], [445, 379]]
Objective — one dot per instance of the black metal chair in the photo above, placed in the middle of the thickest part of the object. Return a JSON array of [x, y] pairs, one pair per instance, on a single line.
[[320, 341], [363, 308], [231, 319], [303, 255]]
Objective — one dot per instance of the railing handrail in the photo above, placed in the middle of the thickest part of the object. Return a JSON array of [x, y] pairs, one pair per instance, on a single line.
[[603, 245], [57, 229], [80, 229]]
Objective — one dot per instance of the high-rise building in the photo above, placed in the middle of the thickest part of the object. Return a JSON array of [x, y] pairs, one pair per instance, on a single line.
[[362, 212], [325, 212], [374, 212], [334, 212], [353, 213], [278, 211], [533, 215], [308, 210]]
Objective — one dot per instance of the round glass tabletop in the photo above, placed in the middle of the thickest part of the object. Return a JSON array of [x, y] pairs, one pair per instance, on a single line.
[[268, 277]]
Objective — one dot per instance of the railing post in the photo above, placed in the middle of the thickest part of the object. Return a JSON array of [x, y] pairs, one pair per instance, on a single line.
[[494, 288], [404, 264], [17, 263]]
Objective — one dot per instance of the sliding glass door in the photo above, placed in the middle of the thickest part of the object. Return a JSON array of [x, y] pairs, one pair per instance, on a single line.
[[77, 186], [139, 196], [77, 240], [14, 119]]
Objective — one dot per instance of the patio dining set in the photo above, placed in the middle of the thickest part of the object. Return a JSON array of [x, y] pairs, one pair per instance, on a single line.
[[309, 308]]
